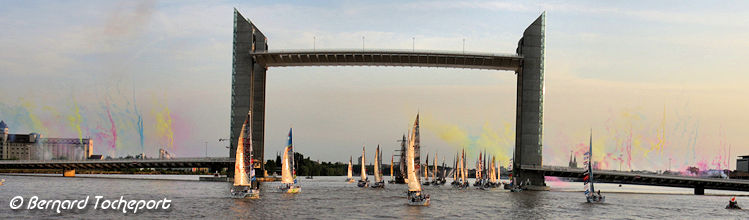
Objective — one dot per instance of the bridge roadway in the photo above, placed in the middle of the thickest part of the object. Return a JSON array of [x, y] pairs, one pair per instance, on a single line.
[[208, 162], [699, 184], [417, 58]]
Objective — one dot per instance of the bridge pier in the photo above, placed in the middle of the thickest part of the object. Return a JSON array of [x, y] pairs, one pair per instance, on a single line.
[[68, 172], [248, 87], [529, 110], [699, 190]]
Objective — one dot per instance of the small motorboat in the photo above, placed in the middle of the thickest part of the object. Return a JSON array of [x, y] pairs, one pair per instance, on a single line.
[[733, 204]]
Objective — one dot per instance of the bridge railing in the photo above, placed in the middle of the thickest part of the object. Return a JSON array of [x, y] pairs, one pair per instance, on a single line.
[[402, 51], [635, 173], [120, 160]]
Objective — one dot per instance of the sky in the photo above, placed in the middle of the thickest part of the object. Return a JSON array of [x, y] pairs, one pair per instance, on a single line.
[[659, 84]]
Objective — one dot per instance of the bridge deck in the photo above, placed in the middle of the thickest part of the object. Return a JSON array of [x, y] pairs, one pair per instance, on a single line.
[[645, 179], [510, 62], [209, 162]]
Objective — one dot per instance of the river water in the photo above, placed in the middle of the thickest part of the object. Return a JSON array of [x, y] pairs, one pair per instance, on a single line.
[[332, 198]]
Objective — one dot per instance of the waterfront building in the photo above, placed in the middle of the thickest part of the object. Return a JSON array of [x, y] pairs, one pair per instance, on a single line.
[[34, 147], [742, 164]]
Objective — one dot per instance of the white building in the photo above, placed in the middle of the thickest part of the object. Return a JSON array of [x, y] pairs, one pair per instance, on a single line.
[[34, 147]]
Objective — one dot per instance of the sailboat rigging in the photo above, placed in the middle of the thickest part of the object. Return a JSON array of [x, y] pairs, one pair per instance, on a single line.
[[590, 191]]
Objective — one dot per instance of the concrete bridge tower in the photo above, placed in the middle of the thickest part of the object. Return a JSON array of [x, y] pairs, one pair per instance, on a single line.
[[248, 87], [530, 105]]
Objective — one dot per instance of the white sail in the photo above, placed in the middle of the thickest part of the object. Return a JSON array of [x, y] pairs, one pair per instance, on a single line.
[[363, 166], [378, 161], [286, 173], [494, 171], [243, 157], [350, 169], [411, 164]]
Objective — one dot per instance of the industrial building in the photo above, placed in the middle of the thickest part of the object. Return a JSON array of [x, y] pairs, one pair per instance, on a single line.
[[34, 147]]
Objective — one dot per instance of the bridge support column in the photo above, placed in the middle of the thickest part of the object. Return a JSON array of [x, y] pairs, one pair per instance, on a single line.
[[699, 190], [248, 87], [529, 110], [68, 172]]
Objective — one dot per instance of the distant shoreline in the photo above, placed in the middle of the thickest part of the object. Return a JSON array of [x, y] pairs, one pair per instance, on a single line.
[[84, 171]]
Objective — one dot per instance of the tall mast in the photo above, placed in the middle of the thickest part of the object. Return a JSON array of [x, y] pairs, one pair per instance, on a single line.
[[434, 165], [392, 158], [590, 159]]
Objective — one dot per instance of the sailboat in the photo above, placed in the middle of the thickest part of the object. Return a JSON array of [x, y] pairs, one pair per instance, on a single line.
[[455, 171], [441, 176], [288, 173], [245, 184], [426, 172], [463, 183], [499, 183], [378, 181], [363, 182], [590, 190], [392, 178], [493, 179], [478, 172], [415, 195], [350, 175], [400, 178]]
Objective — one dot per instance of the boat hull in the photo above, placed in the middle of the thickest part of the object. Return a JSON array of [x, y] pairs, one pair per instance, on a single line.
[[462, 185], [420, 200], [290, 189], [362, 184], [592, 199], [245, 192], [378, 185]]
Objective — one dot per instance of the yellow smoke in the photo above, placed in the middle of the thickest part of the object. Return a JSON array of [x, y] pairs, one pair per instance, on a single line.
[[36, 123], [74, 120], [164, 125], [661, 136], [496, 142]]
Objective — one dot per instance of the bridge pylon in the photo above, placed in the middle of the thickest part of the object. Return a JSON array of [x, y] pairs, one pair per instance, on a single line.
[[529, 110], [248, 87]]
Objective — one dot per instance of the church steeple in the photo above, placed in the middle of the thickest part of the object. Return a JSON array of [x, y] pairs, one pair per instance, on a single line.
[[3, 127]]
